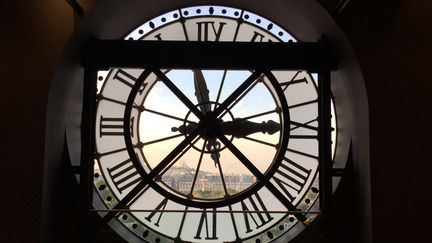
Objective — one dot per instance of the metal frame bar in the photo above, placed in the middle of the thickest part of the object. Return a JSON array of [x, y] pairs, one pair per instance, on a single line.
[[87, 152], [76, 7], [324, 154], [200, 211], [104, 54]]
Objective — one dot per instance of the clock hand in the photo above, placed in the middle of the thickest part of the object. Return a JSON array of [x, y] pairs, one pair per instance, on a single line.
[[237, 128], [213, 146], [243, 128], [201, 91], [185, 129], [202, 94]]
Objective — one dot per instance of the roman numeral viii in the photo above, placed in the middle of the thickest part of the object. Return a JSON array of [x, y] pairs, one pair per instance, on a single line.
[[124, 175], [291, 176]]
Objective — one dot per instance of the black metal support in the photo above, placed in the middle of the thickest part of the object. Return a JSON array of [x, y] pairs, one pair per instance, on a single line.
[[76, 7], [325, 159], [104, 54], [87, 150]]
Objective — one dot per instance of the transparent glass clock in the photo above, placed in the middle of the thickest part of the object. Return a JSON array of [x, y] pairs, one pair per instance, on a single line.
[[208, 155]]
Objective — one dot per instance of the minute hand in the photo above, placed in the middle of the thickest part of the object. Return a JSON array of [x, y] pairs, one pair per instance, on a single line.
[[201, 91], [202, 94], [243, 128]]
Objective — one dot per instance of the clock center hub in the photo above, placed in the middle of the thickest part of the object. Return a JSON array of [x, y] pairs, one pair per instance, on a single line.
[[210, 128]]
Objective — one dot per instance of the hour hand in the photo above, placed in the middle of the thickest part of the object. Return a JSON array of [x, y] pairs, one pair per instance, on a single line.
[[237, 128], [213, 147], [243, 128], [185, 129], [201, 91]]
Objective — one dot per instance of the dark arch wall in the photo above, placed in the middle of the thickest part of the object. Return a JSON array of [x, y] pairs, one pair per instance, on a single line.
[[391, 40]]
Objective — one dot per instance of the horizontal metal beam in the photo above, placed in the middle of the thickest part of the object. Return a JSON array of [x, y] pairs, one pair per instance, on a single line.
[[105, 54]]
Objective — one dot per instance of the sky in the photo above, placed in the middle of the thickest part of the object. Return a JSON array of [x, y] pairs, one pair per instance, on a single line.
[[162, 99]]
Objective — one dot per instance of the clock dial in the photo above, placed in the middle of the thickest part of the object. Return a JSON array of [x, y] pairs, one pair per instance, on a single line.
[[207, 155]]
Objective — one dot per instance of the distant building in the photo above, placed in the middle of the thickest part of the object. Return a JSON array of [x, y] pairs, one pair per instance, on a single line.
[[180, 178]]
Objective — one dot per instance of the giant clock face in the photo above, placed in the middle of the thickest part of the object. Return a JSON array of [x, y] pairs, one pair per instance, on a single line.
[[207, 155]]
